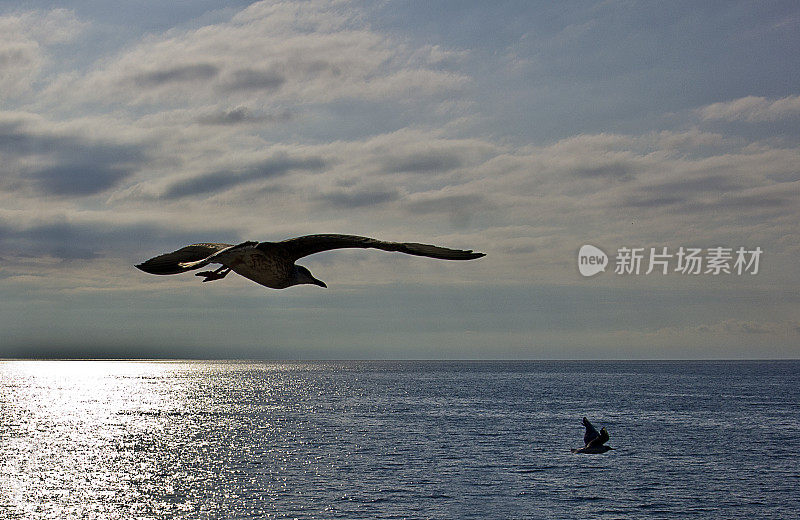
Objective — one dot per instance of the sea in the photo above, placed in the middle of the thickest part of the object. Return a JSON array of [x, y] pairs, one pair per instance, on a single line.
[[362, 440]]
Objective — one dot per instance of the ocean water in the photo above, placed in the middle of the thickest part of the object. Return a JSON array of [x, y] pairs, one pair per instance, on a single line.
[[128, 440]]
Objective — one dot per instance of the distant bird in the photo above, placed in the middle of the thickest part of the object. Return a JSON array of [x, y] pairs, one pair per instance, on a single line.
[[594, 441], [271, 264]]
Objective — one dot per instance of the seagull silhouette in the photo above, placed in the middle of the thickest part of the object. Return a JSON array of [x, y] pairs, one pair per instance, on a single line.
[[594, 441], [272, 264]]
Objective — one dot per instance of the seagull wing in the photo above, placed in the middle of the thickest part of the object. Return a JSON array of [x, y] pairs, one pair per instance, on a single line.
[[299, 247], [591, 432], [170, 263], [598, 441]]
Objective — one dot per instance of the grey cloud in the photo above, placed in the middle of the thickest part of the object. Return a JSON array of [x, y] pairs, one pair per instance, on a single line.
[[739, 203], [80, 178], [15, 57], [615, 170], [222, 180], [212, 182], [56, 240], [319, 66], [744, 327], [85, 241], [250, 79], [446, 204], [458, 209], [651, 202], [756, 201], [242, 115], [181, 73], [435, 161], [680, 191], [18, 142], [232, 117], [715, 183], [790, 176], [723, 202], [357, 199], [752, 328], [77, 166]]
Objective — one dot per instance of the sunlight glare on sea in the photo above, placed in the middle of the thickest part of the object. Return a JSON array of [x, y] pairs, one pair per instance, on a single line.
[[76, 434]]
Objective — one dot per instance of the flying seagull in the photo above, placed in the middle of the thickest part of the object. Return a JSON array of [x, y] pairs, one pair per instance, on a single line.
[[594, 441], [272, 264]]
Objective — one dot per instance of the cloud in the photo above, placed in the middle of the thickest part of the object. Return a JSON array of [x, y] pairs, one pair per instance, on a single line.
[[200, 100], [359, 198], [24, 38], [180, 74], [56, 240], [242, 115], [218, 181], [747, 327], [425, 162], [672, 192], [250, 79], [64, 163], [753, 109], [51, 27], [692, 140], [614, 170], [445, 203], [771, 198], [20, 62], [460, 209], [78, 178], [22, 246], [264, 55]]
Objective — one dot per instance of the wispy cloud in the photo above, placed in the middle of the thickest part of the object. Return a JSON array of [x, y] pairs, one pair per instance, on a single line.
[[753, 109], [180, 74], [266, 169], [735, 327], [265, 54], [24, 38], [242, 116]]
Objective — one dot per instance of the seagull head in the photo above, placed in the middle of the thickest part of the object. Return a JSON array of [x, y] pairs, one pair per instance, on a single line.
[[301, 275]]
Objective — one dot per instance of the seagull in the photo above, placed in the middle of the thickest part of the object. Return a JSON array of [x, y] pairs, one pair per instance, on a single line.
[[594, 441], [272, 264]]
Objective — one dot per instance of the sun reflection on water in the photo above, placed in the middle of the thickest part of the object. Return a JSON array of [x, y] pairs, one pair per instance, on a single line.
[[77, 438]]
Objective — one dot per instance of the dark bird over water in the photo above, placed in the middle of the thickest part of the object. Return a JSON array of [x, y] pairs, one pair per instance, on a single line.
[[594, 441], [272, 264]]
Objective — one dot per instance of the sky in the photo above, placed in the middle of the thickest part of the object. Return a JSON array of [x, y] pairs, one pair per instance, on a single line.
[[524, 130]]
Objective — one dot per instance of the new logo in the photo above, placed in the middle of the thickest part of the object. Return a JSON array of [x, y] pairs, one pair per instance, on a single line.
[[591, 260]]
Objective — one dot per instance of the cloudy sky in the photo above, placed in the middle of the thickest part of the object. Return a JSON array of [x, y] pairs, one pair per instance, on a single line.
[[521, 129]]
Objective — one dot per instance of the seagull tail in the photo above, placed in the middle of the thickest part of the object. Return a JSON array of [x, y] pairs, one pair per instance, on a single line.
[[161, 265], [180, 261]]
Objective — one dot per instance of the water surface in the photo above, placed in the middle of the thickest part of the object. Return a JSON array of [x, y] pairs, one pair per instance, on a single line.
[[106, 439]]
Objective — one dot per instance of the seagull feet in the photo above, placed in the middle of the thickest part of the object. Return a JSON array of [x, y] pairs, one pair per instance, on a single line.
[[214, 275], [210, 276]]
